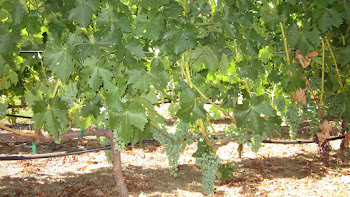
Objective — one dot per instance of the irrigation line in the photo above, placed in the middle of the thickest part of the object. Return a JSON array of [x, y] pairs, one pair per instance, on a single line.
[[48, 155], [76, 152], [18, 116]]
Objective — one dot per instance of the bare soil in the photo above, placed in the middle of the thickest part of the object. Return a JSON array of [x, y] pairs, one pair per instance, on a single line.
[[276, 170]]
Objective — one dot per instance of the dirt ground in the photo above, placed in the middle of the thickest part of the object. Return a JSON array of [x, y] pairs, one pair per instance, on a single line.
[[276, 170]]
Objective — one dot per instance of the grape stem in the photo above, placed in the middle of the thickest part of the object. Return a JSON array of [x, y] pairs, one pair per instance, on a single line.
[[205, 134], [211, 126], [285, 42], [335, 63], [323, 64], [312, 92]]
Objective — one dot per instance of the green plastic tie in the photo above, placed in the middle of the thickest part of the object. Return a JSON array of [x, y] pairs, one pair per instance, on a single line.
[[248, 143], [82, 132], [34, 146], [335, 126]]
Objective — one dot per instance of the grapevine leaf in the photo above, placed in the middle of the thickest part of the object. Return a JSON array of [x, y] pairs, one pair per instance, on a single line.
[[6, 41], [263, 108], [149, 26], [83, 11], [59, 59], [54, 118], [139, 79], [112, 97], [181, 39], [17, 9], [224, 63], [123, 121], [135, 49], [188, 95], [250, 115], [32, 24], [91, 108], [159, 79], [96, 72], [190, 112], [293, 36]]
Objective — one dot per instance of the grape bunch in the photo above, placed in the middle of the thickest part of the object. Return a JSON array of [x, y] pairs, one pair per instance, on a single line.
[[174, 144], [108, 153], [256, 140], [119, 145], [209, 164], [293, 119], [233, 131], [70, 94], [311, 113]]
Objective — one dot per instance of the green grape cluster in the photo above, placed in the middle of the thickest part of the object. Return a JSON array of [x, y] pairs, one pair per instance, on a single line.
[[233, 131], [70, 94], [311, 114], [108, 153], [174, 144], [256, 140], [293, 119], [209, 164], [119, 145]]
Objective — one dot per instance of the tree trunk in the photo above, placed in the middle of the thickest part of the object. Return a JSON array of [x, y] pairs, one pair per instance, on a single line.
[[118, 173]]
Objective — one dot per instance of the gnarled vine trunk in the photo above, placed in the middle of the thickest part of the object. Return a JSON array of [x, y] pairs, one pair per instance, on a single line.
[[117, 168]]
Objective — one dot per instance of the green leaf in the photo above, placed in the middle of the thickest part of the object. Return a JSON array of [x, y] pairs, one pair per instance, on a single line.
[[91, 108], [96, 72], [293, 36], [264, 108], [83, 11], [17, 9], [59, 60], [224, 63], [124, 121], [112, 97], [6, 41], [149, 26], [139, 79], [181, 39], [250, 115], [314, 37], [190, 112], [135, 49], [33, 25], [54, 118]]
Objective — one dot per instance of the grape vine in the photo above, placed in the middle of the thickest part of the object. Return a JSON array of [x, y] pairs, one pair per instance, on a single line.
[[107, 64]]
